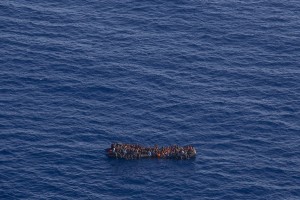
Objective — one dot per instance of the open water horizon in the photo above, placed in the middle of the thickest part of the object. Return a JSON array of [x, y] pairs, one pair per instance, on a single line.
[[222, 76]]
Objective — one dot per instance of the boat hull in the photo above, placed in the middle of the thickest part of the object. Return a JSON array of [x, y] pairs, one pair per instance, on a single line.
[[112, 153]]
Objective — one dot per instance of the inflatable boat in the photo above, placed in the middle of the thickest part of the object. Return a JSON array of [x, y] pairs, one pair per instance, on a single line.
[[134, 151]]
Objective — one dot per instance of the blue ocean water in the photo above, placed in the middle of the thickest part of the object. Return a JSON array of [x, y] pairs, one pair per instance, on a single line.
[[76, 76]]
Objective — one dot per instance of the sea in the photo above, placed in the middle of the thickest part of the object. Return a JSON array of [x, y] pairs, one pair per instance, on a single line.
[[221, 75]]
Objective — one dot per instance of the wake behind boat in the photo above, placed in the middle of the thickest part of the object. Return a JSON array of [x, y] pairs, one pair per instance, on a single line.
[[133, 151]]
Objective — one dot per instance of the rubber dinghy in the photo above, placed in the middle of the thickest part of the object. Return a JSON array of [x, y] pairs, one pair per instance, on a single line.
[[134, 151]]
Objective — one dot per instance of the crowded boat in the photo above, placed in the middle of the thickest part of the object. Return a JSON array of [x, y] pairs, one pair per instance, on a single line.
[[134, 151]]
